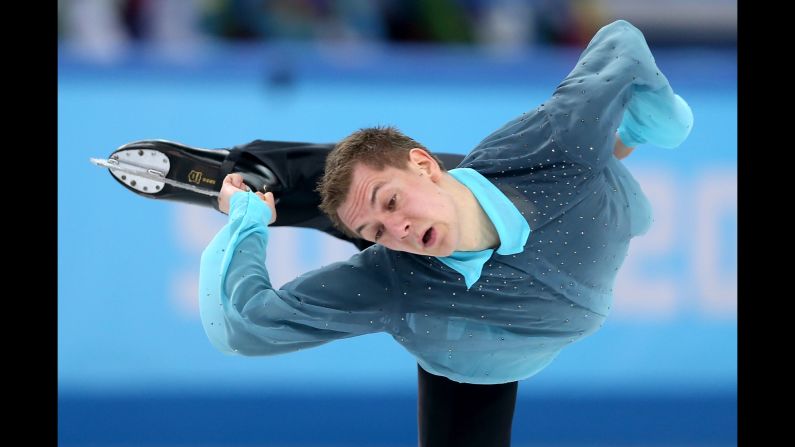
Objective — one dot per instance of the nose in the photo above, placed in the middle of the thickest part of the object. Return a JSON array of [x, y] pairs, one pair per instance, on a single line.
[[398, 226]]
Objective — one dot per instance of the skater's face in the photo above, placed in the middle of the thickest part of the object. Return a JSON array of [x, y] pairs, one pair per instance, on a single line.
[[403, 209]]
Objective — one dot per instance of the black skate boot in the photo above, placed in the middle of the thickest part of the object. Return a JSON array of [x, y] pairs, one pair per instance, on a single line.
[[161, 169]]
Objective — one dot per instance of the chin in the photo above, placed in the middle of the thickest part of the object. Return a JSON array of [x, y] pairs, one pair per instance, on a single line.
[[446, 248], [445, 251]]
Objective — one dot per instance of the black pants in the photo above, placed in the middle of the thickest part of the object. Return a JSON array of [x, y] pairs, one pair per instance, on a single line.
[[457, 414], [449, 413]]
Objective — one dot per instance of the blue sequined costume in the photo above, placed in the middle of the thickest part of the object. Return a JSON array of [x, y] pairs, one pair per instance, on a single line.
[[565, 209]]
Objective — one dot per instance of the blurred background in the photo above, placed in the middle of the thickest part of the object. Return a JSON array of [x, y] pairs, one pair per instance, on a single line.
[[134, 365]]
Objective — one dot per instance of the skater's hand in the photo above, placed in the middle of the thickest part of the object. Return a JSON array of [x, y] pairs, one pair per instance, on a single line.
[[234, 183]]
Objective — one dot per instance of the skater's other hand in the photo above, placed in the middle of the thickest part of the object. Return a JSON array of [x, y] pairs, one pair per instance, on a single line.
[[621, 150]]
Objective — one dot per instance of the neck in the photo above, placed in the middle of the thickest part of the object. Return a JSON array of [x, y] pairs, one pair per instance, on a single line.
[[477, 231]]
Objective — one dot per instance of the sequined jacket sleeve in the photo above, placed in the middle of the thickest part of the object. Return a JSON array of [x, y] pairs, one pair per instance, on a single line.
[[242, 313], [617, 86]]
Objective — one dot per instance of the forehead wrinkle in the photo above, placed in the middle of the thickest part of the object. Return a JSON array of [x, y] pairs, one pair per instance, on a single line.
[[360, 199]]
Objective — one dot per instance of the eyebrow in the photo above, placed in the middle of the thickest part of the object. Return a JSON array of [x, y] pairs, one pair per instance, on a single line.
[[372, 203]]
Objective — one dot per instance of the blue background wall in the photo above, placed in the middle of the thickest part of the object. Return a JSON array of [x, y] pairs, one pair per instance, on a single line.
[[134, 365]]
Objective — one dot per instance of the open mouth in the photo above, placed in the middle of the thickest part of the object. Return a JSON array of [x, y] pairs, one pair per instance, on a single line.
[[427, 238]]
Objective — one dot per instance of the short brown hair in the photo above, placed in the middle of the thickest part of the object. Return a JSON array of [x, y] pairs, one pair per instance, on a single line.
[[376, 147]]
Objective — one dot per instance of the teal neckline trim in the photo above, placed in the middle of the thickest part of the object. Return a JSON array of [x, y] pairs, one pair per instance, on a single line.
[[511, 227]]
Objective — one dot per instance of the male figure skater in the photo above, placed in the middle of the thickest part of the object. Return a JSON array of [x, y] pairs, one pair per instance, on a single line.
[[485, 272]]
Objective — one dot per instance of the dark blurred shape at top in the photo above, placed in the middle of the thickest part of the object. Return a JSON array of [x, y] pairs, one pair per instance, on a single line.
[[105, 28]]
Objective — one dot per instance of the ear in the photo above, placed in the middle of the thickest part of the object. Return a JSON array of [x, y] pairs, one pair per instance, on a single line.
[[422, 163]]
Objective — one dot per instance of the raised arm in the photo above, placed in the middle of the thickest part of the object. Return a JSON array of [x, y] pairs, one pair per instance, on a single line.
[[615, 89], [242, 313]]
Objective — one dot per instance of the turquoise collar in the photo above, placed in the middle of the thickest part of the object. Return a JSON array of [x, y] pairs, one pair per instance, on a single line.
[[512, 228]]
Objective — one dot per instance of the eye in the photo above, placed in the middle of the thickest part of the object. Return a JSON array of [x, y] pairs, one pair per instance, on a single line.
[[391, 205]]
